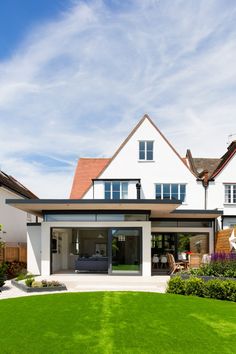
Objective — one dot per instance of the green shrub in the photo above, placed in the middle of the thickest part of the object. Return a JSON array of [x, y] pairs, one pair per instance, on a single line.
[[29, 281], [194, 286], [2, 281], [3, 268], [15, 268], [215, 289], [20, 277], [37, 284], [230, 290], [176, 285], [54, 283], [50, 283], [224, 268], [3, 277]]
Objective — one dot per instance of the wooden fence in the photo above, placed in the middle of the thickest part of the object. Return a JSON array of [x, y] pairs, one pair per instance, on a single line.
[[222, 240], [14, 252]]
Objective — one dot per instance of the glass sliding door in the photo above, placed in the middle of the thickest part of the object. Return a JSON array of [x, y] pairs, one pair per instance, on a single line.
[[125, 250]]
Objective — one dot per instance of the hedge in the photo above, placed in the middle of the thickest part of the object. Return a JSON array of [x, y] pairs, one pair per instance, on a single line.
[[216, 289]]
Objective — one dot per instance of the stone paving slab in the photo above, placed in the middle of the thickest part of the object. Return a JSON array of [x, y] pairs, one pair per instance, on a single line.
[[87, 282]]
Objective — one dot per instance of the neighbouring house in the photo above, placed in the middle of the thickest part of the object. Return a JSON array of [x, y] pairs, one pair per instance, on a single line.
[[219, 180], [125, 213], [13, 221]]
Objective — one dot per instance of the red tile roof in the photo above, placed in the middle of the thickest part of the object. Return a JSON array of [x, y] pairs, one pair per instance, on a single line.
[[86, 170]]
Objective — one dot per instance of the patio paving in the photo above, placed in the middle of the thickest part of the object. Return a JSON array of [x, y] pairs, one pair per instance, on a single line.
[[94, 282]]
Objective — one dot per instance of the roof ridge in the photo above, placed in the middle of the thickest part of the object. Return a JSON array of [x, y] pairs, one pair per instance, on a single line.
[[224, 160], [145, 116]]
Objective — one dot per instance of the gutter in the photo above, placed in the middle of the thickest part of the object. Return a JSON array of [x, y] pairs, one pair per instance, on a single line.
[[204, 178]]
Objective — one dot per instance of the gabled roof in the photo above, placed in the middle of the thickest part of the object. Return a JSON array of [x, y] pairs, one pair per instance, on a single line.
[[87, 169], [13, 185], [211, 165], [146, 116], [201, 164], [225, 159]]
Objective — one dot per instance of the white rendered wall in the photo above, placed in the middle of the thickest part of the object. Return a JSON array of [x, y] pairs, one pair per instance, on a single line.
[[99, 192], [13, 220], [146, 234], [216, 190], [34, 249], [167, 167]]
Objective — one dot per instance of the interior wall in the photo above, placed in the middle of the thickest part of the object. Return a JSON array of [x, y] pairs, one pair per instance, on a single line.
[[89, 239], [64, 259], [61, 258]]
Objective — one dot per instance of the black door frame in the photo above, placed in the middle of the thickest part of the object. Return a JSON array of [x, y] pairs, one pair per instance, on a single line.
[[109, 246], [110, 237]]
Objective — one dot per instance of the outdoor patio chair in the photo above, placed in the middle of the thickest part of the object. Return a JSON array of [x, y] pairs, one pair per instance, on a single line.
[[174, 266]]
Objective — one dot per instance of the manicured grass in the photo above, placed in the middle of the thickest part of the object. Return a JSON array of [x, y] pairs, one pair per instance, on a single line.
[[116, 322], [126, 267]]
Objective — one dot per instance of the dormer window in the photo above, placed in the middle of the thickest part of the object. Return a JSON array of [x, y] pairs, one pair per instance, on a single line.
[[146, 150], [116, 190]]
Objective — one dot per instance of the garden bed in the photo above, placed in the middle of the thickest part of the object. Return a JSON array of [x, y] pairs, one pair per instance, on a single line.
[[203, 277], [20, 285], [215, 288]]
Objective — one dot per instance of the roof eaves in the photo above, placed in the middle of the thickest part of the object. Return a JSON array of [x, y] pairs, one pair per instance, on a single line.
[[146, 116], [225, 159]]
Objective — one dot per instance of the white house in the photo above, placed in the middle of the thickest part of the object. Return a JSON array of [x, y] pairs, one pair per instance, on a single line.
[[143, 201], [13, 221], [220, 183]]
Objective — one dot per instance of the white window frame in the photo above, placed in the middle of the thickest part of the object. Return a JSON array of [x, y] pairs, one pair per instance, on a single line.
[[170, 191], [121, 189], [229, 197], [145, 150]]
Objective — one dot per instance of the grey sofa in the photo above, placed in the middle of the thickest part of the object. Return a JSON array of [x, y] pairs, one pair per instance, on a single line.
[[92, 264]]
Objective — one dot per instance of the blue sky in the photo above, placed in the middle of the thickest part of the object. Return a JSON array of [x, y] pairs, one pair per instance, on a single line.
[[18, 17], [73, 73]]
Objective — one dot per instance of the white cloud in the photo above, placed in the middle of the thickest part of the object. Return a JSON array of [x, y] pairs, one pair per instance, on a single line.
[[77, 85]]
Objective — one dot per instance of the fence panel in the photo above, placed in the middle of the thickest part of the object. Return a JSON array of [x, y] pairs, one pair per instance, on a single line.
[[222, 240], [13, 252]]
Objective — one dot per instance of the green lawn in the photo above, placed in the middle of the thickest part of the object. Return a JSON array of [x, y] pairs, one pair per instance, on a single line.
[[116, 322], [126, 267]]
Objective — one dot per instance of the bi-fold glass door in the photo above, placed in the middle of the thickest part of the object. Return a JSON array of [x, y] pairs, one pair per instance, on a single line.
[[125, 251]]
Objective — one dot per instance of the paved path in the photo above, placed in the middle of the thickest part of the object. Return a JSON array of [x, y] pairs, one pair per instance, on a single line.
[[87, 282]]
